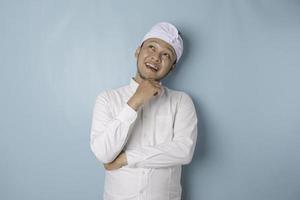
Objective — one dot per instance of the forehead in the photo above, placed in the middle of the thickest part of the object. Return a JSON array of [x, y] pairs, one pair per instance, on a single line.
[[161, 43]]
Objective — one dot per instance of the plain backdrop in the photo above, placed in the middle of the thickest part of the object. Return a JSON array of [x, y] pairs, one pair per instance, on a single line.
[[241, 66]]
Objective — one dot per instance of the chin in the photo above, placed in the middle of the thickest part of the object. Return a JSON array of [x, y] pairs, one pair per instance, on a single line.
[[147, 75]]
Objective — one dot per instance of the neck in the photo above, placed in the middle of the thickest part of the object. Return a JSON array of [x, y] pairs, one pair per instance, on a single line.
[[139, 79]]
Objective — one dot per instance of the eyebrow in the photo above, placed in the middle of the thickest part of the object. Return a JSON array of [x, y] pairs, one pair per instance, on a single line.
[[166, 47]]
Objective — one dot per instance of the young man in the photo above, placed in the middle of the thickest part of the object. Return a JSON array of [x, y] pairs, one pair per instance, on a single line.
[[144, 132]]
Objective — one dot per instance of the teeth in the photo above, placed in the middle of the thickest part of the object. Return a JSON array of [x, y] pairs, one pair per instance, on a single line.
[[152, 66]]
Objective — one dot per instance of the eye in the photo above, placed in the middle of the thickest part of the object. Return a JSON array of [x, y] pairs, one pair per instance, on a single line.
[[152, 47], [167, 55]]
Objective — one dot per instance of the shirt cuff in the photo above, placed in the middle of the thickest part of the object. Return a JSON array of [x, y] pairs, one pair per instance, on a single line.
[[133, 157], [127, 114]]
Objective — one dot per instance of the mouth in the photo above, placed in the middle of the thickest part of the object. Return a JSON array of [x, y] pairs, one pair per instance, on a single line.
[[153, 67]]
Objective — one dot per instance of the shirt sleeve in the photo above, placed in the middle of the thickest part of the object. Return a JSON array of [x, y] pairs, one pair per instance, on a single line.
[[109, 134], [178, 151]]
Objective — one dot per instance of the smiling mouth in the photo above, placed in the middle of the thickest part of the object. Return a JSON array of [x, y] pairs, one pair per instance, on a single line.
[[152, 66]]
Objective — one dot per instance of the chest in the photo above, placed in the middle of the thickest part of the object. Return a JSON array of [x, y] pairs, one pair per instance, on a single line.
[[155, 121]]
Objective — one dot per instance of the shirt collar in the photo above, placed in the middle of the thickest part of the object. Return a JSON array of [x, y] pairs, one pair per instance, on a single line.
[[133, 84]]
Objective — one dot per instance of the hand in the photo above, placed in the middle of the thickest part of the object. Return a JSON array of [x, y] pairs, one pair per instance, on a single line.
[[146, 90], [119, 162]]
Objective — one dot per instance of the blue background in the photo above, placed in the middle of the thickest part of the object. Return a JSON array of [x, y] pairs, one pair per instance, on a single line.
[[241, 65]]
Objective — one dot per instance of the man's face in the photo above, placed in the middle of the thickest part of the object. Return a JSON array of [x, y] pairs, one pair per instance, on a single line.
[[155, 59]]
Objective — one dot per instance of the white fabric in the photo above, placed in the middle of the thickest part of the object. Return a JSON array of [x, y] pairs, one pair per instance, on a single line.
[[158, 139], [168, 33]]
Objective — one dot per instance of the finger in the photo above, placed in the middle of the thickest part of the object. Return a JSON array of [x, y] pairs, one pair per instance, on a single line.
[[158, 91], [108, 167], [155, 84], [153, 81]]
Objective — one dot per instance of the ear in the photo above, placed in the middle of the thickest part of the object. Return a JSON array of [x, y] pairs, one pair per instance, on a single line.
[[137, 51], [173, 67]]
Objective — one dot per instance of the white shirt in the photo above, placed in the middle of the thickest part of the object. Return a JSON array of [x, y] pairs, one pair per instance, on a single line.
[[157, 138]]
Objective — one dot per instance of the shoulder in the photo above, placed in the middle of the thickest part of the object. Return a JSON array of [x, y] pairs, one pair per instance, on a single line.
[[109, 94], [179, 95], [182, 99]]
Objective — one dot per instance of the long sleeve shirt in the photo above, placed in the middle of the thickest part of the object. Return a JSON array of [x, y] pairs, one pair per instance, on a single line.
[[158, 139]]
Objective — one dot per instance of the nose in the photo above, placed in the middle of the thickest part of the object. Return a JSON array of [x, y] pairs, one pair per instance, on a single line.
[[155, 57]]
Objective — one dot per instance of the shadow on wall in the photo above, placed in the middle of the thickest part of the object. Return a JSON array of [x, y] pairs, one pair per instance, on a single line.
[[188, 172]]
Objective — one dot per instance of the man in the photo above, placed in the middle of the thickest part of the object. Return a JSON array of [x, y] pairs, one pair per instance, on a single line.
[[144, 132]]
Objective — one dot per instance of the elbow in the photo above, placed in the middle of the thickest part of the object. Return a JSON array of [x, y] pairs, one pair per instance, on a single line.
[[188, 156], [100, 154], [187, 160]]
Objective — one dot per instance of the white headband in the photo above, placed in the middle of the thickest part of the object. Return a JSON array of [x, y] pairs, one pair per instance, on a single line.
[[168, 33]]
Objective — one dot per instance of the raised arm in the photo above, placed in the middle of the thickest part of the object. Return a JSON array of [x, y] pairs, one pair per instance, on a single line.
[[108, 134], [179, 151]]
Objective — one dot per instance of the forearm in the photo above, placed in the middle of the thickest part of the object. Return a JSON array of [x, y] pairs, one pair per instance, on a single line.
[[179, 150], [108, 139], [163, 155]]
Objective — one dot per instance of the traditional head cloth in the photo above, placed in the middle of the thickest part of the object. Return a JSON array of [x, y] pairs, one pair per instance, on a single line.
[[168, 33]]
